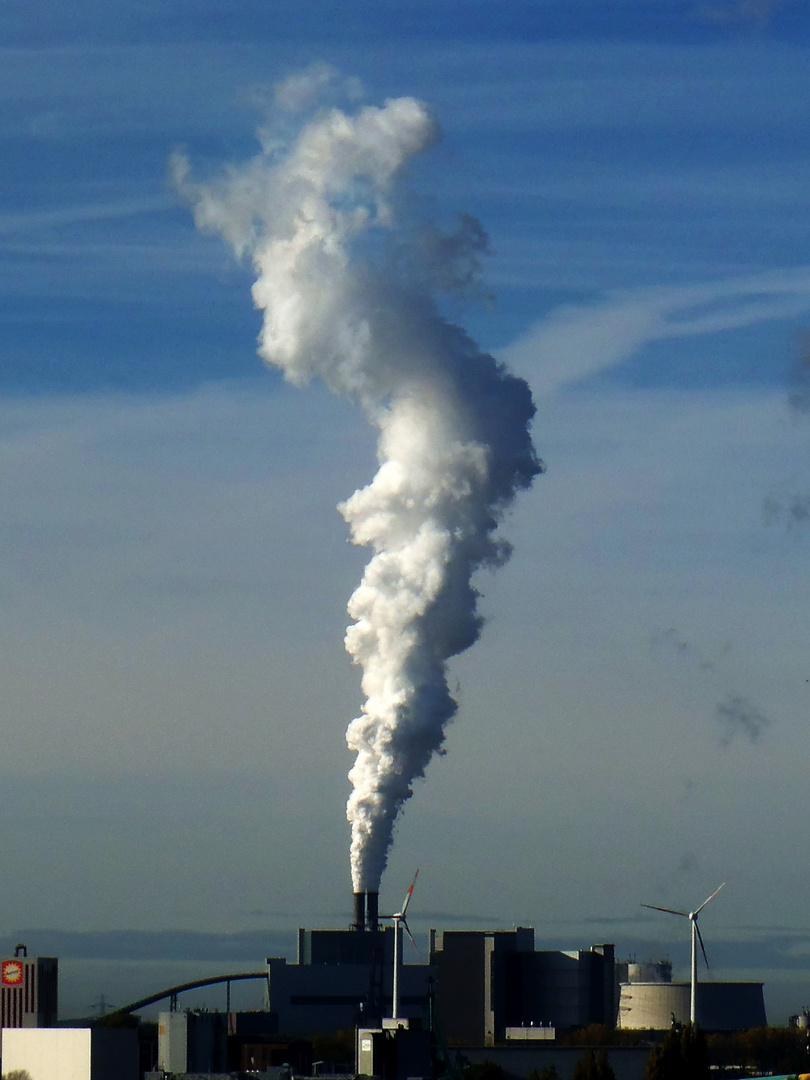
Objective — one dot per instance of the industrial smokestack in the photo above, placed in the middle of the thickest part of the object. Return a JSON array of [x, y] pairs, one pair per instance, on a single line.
[[372, 910], [359, 911]]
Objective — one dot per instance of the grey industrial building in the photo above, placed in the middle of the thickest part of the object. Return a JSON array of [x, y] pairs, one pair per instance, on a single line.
[[343, 978], [490, 981], [475, 986], [200, 1042]]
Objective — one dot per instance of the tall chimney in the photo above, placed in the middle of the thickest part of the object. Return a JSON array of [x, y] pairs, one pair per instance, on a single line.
[[372, 910], [359, 911]]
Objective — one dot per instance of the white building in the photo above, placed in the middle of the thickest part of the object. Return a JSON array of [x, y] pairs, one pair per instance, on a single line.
[[70, 1053]]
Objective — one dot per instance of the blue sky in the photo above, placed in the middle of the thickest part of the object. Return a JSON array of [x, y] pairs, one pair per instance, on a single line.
[[174, 574]]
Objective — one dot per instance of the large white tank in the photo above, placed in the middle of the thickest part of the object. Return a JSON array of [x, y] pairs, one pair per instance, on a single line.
[[653, 1005], [720, 1006]]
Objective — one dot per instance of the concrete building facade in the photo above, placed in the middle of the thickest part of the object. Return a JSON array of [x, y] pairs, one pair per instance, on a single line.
[[343, 978], [476, 985], [487, 982]]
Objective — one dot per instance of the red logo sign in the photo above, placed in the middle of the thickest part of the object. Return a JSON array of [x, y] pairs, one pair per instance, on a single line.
[[11, 973]]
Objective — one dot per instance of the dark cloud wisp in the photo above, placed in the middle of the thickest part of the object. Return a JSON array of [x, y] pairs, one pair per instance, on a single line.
[[739, 716]]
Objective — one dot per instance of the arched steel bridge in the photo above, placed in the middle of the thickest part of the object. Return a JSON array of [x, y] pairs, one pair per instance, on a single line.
[[172, 991]]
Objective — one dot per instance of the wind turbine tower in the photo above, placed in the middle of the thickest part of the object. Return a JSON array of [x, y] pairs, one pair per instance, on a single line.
[[398, 918], [696, 937]]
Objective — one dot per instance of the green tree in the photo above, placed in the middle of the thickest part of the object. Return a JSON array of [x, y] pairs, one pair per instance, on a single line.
[[600, 1035], [593, 1067], [774, 1049], [591, 1035], [484, 1070], [585, 1068], [603, 1068], [694, 1053], [547, 1073], [681, 1056]]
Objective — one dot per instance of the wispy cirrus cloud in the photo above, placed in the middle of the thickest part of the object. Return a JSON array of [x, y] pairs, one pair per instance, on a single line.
[[576, 342], [740, 11], [35, 221]]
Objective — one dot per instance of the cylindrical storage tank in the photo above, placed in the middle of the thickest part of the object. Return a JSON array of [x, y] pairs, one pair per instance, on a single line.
[[653, 1005], [721, 1006]]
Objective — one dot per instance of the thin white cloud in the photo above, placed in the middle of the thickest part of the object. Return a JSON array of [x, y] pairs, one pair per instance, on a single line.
[[498, 86], [740, 11], [35, 221], [579, 341]]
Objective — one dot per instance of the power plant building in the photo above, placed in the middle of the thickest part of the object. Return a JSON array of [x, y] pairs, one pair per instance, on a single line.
[[476, 985], [28, 990], [489, 982], [344, 978]]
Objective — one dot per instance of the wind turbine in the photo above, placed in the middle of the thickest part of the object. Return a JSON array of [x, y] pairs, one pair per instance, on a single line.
[[696, 935], [399, 918]]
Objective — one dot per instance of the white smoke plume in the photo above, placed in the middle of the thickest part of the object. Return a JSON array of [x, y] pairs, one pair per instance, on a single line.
[[454, 444]]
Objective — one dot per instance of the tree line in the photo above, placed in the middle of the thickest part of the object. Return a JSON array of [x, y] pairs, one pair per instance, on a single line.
[[685, 1053]]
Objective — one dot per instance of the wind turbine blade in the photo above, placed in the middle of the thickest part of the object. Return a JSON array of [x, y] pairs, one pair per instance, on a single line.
[[702, 946], [409, 894], [705, 902], [410, 935], [672, 911]]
